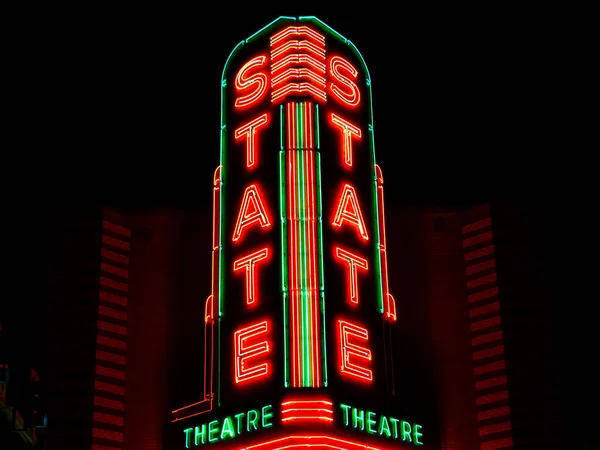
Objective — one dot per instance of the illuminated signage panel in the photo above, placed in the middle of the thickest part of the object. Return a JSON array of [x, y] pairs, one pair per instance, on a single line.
[[300, 317]]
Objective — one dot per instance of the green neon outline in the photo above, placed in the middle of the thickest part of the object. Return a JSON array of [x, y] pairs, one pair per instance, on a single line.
[[284, 268], [321, 267], [223, 188]]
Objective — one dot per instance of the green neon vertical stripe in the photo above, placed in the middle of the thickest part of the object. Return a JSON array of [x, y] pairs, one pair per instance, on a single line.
[[302, 265], [321, 264], [284, 266]]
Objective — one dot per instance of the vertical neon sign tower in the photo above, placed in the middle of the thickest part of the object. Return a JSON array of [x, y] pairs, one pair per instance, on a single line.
[[299, 325]]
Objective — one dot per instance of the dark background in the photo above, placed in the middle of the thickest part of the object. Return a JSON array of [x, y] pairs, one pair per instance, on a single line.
[[467, 102], [120, 106]]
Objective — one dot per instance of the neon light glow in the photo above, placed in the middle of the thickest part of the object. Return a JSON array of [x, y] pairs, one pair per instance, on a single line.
[[378, 424], [303, 255], [348, 210], [229, 427], [353, 261], [316, 441], [244, 81], [302, 31], [299, 60], [249, 130], [307, 411], [249, 264], [292, 90], [297, 45], [252, 210], [350, 350], [348, 131], [350, 94], [244, 352], [389, 304], [304, 50]]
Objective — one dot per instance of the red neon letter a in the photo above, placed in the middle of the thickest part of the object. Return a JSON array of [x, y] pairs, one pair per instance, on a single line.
[[349, 210], [252, 210]]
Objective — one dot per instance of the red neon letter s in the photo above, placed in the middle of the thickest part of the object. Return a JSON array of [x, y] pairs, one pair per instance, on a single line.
[[255, 84], [244, 352], [350, 95]]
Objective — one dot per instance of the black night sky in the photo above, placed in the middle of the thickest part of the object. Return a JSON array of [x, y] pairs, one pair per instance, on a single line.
[[462, 109], [121, 107]]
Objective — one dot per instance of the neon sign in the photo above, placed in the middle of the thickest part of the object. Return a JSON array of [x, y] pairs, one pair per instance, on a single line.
[[300, 299], [381, 425], [229, 427]]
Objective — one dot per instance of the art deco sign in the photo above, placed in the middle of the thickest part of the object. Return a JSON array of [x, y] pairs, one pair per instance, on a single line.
[[299, 325]]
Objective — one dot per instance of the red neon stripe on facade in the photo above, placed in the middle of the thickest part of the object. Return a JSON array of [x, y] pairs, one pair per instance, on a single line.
[[104, 281], [306, 410], [111, 327], [303, 253], [110, 342], [111, 373], [293, 31], [497, 444], [469, 228], [109, 403], [489, 250], [107, 387], [117, 229], [311, 441], [107, 434], [108, 418], [389, 304], [474, 268], [110, 357], [491, 367], [104, 447], [118, 257], [487, 323], [482, 295], [486, 279], [295, 59], [485, 338], [493, 413], [477, 239], [108, 240], [297, 46], [110, 312], [112, 298], [485, 309], [490, 382], [496, 428], [109, 268], [488, 353], [491, 398]]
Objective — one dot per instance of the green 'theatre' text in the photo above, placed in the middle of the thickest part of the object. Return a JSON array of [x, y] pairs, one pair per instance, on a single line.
[[229, 427]]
